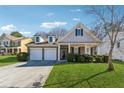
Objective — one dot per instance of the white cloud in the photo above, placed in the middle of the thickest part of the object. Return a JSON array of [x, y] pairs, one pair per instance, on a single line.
[[76, 19], [52, 24], [25, 33], [76, 10], [8, 28], [50, 14]]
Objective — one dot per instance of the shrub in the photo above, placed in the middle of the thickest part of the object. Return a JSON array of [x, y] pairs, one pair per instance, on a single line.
[[78, 58], [101, 59], [88, 58], [22, 56], [83, 59], [14, 53], [70, 57], [105, 58]]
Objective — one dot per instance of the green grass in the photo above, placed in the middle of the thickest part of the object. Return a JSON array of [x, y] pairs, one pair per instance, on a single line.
[[7, 60], [86, 76]]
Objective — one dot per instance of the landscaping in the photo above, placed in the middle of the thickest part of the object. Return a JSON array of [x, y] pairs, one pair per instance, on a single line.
[[8, 60], [86, 58], [86, 75], [22, 56]]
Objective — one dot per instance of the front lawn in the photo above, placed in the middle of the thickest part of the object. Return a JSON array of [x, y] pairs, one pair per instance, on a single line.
[[7, 60], [86, 76]]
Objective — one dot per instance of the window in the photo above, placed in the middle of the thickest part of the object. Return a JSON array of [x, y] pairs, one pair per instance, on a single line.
[[50, 39], [37, 39], [118, 44], [6, 43], [78, 32]]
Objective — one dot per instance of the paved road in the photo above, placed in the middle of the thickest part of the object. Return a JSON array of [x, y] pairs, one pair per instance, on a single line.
[[21, 76]]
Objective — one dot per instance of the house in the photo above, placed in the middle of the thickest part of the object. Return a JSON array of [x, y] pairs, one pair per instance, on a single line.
[[118, 51], [11, 44], [78, 40]]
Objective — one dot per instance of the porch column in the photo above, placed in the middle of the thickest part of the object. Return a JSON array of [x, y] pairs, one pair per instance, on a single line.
[[89, 50], [69, 49], [6, 50], [86, 49], [12, 50], [17, 50], [98, 50], [58, 52]]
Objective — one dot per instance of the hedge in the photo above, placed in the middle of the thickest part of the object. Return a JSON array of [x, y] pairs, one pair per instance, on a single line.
[[22, 56], [87, 58]]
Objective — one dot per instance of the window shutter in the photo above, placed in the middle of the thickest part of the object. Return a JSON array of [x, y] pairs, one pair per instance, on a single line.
[[81, 32], [75, 32]]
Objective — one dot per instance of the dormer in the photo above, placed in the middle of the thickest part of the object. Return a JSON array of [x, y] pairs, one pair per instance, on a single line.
[[51, 39], [38, 39]]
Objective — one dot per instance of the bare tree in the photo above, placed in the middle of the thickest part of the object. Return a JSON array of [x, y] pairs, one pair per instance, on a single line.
[[58, 32], [110, 22], [44, 35]]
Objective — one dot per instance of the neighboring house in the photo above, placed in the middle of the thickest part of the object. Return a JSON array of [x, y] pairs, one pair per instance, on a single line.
[[11, 44], [79, 40], [118, 51]]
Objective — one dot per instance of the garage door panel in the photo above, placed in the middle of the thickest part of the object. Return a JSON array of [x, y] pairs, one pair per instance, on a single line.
[[50, 54], [36, 54]]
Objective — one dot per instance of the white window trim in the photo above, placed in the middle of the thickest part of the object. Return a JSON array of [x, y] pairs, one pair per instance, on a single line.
[[52, 39], [78, 29], [35, 39], [6, 41]]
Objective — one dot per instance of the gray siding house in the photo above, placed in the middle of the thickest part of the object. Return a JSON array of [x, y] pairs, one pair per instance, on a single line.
[[78, 40]]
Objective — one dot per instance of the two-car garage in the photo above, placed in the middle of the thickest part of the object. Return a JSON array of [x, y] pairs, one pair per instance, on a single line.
[[43, 53]]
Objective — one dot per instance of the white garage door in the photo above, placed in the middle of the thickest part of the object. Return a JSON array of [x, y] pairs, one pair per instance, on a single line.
[[50, 53], [36, 54]]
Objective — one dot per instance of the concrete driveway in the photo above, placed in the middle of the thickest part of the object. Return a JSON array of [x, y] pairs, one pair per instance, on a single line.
[[23, 76]]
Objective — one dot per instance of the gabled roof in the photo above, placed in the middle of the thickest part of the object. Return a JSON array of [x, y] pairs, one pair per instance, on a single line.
[[10, 37], [86, 30]]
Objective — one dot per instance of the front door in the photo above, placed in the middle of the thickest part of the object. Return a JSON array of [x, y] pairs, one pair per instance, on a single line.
[[63, 53]]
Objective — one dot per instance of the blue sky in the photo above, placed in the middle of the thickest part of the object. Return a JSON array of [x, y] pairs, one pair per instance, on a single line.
[[31, 19]]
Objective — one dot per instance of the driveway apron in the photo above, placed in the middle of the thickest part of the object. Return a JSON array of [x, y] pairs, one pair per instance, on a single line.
[[22, 76]]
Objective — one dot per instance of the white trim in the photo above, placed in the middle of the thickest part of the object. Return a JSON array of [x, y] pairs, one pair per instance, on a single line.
[[40, 39], [69, 49], [41, 45], [80, 43], [53, 39]]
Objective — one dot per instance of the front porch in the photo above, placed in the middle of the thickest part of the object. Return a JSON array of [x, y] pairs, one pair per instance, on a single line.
[[76, 48], [10, 50]]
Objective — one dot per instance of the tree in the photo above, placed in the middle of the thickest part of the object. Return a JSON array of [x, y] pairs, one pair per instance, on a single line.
[[110, 22], [16, 34], [44, 35], [1, 37], [58, 32]]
